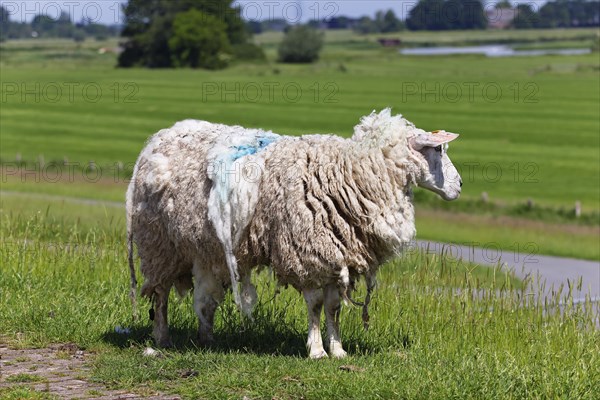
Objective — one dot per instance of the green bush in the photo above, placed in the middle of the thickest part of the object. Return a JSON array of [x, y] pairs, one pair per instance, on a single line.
[[79, 36], [301, 44], [199, 41]]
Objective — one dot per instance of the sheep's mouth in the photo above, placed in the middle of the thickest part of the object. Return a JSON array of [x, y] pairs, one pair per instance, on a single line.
[[450, 196]]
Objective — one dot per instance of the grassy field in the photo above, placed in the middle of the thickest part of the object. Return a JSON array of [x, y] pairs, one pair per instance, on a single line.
[[454, 38], [64, 281], [71, 126], [529, 125]]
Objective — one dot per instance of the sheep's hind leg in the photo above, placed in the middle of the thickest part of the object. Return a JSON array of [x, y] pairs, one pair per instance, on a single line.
[[248, 295], [314, 303], [332, 317], [208, 293], [160, 330]]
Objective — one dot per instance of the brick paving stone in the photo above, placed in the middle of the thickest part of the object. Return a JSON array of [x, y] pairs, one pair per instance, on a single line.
[[59, 370]]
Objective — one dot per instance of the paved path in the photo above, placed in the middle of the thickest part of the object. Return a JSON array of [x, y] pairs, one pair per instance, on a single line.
[[53, 197], [555, 271], [60, 371]]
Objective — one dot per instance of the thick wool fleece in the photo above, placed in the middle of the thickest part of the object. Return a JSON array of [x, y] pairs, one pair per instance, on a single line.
[[317, 209]]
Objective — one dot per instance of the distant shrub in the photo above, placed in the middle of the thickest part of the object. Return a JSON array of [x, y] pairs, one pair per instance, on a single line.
[[301, 44], [131, 55], [248, 51], [78, 36]]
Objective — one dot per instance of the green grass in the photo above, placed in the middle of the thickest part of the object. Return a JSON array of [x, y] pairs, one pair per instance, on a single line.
[[48, 52], [64, 216], [420, 38], [541, 145], [561, 44], [427, 339], [543, 129], [528, 237], [426, 371], [76, 183], [440, 328], [24, 393], [59, 218], [24, 378]]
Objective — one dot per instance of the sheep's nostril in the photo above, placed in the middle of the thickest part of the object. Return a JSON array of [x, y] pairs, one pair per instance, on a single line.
[[461, 183]]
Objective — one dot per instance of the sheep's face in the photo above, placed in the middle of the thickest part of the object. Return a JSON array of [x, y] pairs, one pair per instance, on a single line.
[[439, 175]]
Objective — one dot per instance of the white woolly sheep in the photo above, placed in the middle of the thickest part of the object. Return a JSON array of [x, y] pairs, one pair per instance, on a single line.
[[208, 203]]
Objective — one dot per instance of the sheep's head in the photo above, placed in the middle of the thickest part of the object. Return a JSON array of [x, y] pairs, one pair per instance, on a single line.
[[400, 140], [437, 174]]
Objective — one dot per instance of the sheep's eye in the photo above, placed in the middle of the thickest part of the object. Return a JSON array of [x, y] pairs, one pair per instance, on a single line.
[[438, 149]]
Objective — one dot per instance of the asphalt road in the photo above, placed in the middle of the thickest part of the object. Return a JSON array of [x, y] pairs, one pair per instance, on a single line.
[[554, 271]]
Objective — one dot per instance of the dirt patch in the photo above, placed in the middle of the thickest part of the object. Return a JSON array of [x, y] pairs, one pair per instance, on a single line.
[[58, 371]]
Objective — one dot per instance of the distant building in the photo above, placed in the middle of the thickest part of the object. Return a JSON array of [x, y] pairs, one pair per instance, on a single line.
[[386, 42], [500, 18]]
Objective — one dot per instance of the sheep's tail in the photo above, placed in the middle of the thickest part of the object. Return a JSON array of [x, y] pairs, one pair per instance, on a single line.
[[133, 287], [365, 312], [370, 280], [349, 300], [133, 279]]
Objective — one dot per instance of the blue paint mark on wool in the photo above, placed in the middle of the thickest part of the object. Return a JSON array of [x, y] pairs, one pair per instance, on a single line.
[[261, 142], [254, 144]]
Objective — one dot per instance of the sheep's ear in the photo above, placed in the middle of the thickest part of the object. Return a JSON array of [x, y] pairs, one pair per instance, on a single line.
[[432, 139]]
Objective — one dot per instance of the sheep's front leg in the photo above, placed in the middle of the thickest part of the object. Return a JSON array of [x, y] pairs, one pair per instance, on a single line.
[[160, 330], [332, 317], [314, 303], [208, 293]]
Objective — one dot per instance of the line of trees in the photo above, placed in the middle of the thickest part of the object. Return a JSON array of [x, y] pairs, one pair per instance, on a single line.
[[469, 14], [195, 33], [210, 33], [435, 15], [457, 14], [558, 14], [45, 26], [384, 22]]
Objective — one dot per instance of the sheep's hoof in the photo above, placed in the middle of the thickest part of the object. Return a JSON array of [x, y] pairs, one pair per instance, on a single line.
[[318, 355], [338, 353]]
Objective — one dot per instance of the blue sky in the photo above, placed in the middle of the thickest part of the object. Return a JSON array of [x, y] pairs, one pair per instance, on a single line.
[[109, 11]]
